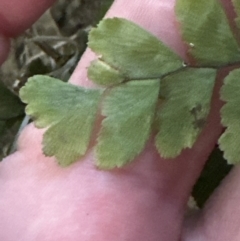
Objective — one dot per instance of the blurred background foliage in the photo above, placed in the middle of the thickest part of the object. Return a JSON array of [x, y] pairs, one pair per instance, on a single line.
[[53, 46]]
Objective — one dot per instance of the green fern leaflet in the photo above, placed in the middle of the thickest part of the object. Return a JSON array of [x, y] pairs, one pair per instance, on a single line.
[[142, 88]]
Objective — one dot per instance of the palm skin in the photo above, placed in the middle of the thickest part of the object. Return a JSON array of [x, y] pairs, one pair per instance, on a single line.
[[146, 200]]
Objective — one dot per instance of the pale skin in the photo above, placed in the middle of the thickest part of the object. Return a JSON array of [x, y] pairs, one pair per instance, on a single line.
[[145, 201]]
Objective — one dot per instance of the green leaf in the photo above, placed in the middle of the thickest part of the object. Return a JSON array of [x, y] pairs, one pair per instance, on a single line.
[[10, 104], [230, 116], [236, 4], [129, 111], [185, 106], [205, 28], [69, 111], [102, 74], [131, 51]]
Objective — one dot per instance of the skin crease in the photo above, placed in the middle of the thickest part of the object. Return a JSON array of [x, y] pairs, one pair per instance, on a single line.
[[146, 200]]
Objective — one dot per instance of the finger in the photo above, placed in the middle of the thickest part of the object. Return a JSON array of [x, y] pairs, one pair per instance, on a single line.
[[220, 218], [149, 193], [177, 175], [149, 201], [126, 200], [15, 17]]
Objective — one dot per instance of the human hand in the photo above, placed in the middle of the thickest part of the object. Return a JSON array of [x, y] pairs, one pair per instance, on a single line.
[[146, 200]]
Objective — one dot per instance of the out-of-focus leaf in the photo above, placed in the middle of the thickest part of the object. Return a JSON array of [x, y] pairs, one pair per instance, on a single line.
[[10, 104], [236, 4], [2, 126], [105, 5], [8, 135], [213, 173]]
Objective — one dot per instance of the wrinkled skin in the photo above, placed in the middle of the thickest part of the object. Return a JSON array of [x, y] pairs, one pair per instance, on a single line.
[[40, 201]]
